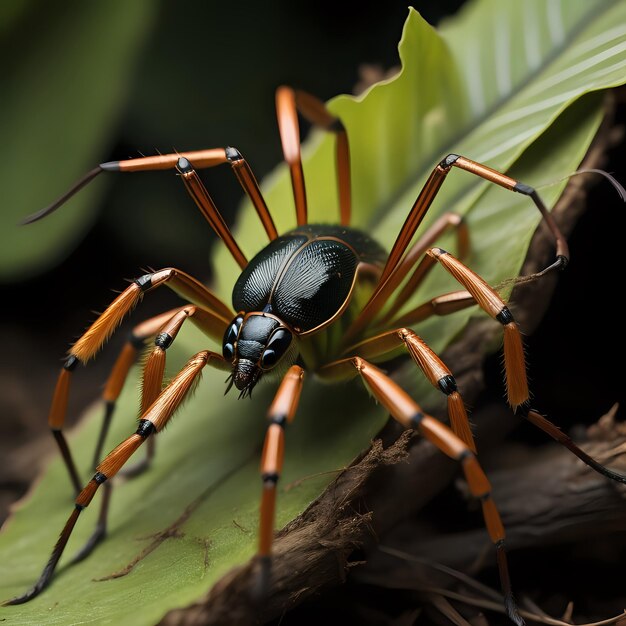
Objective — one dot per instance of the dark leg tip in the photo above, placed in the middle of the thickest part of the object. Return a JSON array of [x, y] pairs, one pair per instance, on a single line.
[[28, 596], [511, 610], [15, 601], [261, 583], [18, 600]]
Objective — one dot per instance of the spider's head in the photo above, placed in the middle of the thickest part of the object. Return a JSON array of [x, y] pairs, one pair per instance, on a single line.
[[257, 344]]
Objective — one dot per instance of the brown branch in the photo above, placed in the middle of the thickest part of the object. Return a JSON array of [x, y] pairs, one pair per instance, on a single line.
[[545, 497]]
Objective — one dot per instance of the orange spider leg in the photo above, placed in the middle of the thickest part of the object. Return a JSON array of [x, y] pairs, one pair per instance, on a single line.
[[154, 368], [181, 283], [151, 422], [281, 412], [289, 130], [119, 373], [288, 103], [382, 347], [488, 300], [216, 317], [410, 415], [315, 111], [477, 291], [419, 210], [200, 158], [447, 221], [441, 305], [199, 194], [167, 325], [112, 390], [457, 300]]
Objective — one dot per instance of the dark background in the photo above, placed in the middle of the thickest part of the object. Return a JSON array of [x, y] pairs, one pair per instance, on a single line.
[[206, 78]]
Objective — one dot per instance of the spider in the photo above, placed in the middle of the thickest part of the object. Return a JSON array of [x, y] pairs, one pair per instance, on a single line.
[[314, 301]]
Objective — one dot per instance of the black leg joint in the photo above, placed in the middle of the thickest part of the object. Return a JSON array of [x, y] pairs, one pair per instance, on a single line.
[[70, 363], [563, 261], [447, 384], [505, 316], [271, 478], [281, 420], [527, 190], [144, 282], [522, 410], [184, 166], [79, 507], [163, 340], [232, 154], [109, 407], [449, 161], [416, 418], [99, 477], [145, 428], [110, 166], [466, 453], [337, 126]]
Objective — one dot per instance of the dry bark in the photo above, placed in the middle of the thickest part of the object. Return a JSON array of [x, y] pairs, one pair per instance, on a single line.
[[545, 497]]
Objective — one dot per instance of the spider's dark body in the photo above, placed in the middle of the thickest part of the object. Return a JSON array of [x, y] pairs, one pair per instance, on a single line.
[[292, 290]]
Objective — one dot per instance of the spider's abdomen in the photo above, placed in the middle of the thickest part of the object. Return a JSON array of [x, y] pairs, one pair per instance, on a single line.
[[306, 276]]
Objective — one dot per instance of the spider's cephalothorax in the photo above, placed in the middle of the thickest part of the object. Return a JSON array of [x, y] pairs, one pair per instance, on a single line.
[[292, 291]]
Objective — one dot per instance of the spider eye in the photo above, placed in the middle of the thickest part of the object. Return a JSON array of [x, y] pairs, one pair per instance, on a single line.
[[276, 347], [230, 337]]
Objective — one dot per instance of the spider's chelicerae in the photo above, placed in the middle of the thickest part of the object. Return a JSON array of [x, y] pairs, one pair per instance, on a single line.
[[315, 300]]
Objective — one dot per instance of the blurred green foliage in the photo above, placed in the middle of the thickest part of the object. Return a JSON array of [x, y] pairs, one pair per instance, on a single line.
[[61, 99]]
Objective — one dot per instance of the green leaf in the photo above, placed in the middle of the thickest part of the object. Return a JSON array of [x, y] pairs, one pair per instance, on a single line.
[[90, 48], [206, 465]]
